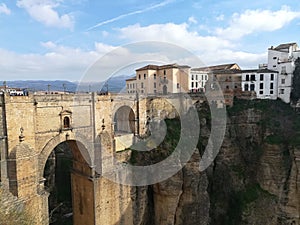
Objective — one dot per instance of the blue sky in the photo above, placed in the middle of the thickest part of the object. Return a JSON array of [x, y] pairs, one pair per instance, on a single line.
[[61, 39]]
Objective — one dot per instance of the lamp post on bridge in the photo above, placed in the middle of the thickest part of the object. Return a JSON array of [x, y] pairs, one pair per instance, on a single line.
[[64, 87]]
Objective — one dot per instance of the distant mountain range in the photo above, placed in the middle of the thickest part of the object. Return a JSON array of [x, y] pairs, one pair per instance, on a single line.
[[113, 84]]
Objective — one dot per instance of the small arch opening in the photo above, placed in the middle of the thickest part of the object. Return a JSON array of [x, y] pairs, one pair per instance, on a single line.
[[124, 120], [66, 122]]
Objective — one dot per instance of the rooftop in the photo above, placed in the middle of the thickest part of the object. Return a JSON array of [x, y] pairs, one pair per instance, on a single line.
[[168, 66], [263, 70], [229, 66], [285, 46], [131, 78]]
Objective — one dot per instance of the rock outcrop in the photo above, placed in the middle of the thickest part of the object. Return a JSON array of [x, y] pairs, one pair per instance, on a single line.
[[254, 179]]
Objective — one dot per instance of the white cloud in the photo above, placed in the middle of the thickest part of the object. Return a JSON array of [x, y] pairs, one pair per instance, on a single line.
[[210, 49], [59, 62], [220, 17], [4, 9], [178, 34], [257, 20], [192, 20], [245, 60], [44, 12]]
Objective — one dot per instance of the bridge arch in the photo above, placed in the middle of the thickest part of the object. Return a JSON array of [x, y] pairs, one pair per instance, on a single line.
[[64, 152], [124, 119], [83, 146]]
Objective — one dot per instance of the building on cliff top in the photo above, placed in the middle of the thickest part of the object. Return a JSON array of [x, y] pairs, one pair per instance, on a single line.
[[164, 79], [282, 59], [270, 81]]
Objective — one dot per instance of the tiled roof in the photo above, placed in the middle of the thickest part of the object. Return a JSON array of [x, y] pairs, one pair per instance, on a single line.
[[156, 67], [130, 79], [217, 67]]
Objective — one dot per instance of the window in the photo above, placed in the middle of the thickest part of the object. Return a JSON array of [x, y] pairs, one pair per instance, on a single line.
[[127, 86], [154, 76], [274, 57], [142, 91], [274, 66], [196, 77], [246, 87], [142, 85], [283, 70], [261, 86], [154, 84], [261, 77], [252, 87], [272, 76], [164, 72], [281, 91], [227, 87], [252, 77], [139, 76], [133, 85], [271, 92], [283, 81], [66, 122], [154, 91], [202, 77], [271, 86], [261, 92], [145, 76], [192, 84], [192, 76], [247, 77], [178, 86], [196, 83]]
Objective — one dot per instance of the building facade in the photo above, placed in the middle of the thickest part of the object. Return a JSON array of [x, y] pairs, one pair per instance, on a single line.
[[270, 81], [154, 79], [281, 59], [227, 75], [261, 81], [198, 78]]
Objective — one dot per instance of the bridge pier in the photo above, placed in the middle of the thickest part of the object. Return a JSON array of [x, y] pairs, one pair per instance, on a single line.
[[3, 144]]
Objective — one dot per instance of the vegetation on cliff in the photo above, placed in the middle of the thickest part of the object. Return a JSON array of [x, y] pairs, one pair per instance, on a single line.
[[12, 213], [295, 94]]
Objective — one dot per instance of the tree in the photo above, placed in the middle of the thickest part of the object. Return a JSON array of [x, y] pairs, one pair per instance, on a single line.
[[295, 94]]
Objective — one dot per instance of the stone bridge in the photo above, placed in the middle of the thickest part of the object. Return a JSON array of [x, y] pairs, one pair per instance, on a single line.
[[94, 127]]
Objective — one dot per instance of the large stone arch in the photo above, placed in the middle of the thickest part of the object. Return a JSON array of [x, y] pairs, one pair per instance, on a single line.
[[82, 175], [84, 146]]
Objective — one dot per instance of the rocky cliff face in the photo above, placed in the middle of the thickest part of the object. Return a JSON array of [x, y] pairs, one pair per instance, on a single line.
[[255, 178]]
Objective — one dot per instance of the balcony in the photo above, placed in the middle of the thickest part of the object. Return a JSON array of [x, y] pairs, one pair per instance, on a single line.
[[163, 80]]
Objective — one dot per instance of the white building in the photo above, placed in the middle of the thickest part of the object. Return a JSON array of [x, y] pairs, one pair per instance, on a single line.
[[281, 59], [263, 82], [198, 78], [223, 73]]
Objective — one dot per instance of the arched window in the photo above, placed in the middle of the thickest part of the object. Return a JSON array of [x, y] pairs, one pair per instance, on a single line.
[[66, 122]]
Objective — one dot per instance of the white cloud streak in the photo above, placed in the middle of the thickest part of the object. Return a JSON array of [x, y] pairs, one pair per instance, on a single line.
[[159, 5], [4, 9], [44, 12]]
